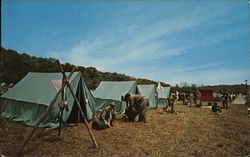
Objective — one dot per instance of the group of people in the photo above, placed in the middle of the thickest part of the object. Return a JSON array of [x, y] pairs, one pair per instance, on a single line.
[[194, 98], [136, 104], [185, 98], [189, 98]]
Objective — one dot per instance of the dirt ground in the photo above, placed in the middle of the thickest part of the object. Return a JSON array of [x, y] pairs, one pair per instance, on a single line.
[[193, 132]]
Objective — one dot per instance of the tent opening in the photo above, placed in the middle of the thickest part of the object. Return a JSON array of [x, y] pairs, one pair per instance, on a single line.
[[75, 115]]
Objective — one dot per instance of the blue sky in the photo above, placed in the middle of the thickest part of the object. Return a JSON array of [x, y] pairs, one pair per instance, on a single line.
[[201, 42]]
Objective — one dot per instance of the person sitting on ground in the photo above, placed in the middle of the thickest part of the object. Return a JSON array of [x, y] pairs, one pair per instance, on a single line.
[[216, 108], [106, 118]]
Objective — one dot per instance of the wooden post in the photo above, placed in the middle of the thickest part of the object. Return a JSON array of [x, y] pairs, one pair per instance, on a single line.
[[61, 109], [79, 96], [43, 115], [80, 108], [60, 125], [84, 118], [156, 98]]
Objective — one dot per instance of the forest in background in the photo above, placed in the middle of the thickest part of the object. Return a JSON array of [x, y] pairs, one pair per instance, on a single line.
[[14, 66]]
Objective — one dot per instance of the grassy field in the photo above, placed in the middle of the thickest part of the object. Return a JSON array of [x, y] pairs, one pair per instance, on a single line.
[[193, 132]]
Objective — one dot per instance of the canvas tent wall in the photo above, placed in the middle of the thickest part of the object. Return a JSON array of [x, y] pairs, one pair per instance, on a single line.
[[217, 95], [163, 94], [29, 98], [109, 91], [239, 100], [149, 92]]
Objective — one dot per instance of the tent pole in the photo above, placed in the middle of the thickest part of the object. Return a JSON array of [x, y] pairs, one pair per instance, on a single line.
[[60, 125], [79, 106], [61, 115], [79, 96], [156, 97], [84, 118], [43, 115]]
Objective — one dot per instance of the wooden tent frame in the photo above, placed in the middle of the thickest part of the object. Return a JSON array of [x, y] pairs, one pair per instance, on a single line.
[[65, 82]]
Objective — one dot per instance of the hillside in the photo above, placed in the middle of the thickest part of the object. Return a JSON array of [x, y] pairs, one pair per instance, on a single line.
[[14, 66]]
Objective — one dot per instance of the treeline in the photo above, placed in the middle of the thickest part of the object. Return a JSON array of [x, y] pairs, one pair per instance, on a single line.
[[216, 88], [231, 88], [14, 66]]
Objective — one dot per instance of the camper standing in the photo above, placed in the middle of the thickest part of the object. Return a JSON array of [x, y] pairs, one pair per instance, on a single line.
[[182, 97], [136, 104], [170, 102], [225, 98], [198, 98], [195, 97]]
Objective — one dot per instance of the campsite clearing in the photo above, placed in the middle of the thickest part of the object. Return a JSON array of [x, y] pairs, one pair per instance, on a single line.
[[193, 133]]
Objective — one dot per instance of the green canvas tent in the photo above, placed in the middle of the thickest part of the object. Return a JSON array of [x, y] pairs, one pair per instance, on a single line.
[[163, 93], [30, 97], [109, 91], [149, 92], [216, 94]]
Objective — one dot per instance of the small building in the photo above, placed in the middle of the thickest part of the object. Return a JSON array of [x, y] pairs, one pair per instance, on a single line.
[[207, 97]]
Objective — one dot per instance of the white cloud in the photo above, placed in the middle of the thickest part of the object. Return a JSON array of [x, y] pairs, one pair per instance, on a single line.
[[130, 47]]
